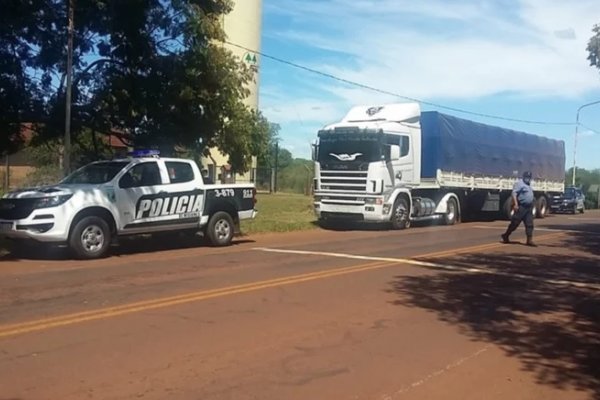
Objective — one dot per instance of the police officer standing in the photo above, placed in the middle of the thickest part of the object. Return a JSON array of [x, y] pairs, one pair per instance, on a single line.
[[523, 203]]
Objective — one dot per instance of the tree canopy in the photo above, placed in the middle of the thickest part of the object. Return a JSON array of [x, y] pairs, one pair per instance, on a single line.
[[593, 47], [154, 71]]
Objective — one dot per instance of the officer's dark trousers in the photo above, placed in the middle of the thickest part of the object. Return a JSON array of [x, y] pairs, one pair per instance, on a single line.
[[525, 214]]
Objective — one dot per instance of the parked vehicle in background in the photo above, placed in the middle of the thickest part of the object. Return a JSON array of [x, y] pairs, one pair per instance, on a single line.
[[572, 201], [395, 164]]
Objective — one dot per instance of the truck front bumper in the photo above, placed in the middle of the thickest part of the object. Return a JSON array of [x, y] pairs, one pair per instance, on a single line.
[[364, 213], [562, 207]]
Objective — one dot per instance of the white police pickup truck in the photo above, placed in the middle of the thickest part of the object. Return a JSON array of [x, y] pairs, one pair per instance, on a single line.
[[137, 195]]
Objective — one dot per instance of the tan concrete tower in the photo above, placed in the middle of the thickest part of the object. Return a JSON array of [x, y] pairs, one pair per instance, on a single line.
[[243, 27]]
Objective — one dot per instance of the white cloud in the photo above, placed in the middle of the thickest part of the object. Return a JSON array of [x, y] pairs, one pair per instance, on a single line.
[[284, 108], [430, 50], [587, 133]]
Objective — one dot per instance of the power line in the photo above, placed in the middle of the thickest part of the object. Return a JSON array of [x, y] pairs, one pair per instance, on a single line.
[[382, 91], [596, 131]]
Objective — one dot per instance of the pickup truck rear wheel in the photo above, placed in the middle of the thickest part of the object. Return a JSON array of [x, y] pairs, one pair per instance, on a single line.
[[220, 229], [90, 238]]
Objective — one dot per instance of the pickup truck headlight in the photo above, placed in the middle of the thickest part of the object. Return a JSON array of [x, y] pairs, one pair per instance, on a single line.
[[53, 201]]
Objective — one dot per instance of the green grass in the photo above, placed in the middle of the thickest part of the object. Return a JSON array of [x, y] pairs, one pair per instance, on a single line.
[[281, 212]]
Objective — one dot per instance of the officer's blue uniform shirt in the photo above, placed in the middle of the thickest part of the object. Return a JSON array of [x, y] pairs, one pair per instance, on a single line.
[[524, 192]]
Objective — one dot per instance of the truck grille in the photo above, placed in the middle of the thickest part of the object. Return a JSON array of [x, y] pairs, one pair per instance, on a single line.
[[343, 187], [12, 209], [344, 181]]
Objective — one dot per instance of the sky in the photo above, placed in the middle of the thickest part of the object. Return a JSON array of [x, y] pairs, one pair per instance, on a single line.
[[519, 59]]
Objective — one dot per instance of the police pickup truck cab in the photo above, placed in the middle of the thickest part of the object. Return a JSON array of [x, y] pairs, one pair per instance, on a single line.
[[137, 195]]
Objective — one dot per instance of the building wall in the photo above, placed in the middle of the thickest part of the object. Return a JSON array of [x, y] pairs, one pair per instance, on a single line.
[[243, 26]]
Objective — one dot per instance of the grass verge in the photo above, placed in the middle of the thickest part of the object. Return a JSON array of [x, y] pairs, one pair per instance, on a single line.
[[281, 212]]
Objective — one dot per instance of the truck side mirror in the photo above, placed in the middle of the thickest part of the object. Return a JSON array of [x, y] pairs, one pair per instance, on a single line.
[[394, 152], [314, 151]]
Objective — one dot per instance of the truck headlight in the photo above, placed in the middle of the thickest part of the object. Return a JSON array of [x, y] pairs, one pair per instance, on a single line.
[[374, 200], [53, 201]]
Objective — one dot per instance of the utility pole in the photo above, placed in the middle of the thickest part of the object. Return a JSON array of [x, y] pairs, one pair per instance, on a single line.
[[276, 164], [575, 139], [67, 139]]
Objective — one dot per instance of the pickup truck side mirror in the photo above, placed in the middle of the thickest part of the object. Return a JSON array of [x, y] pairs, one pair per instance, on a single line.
[[394, 152]]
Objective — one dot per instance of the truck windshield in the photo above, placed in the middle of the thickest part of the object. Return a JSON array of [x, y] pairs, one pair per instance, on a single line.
[[339, 148], [96, 173]]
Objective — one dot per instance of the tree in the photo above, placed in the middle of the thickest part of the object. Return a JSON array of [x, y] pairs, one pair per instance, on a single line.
[[267, 158], [46, 157], [593, 47], [156, 71]]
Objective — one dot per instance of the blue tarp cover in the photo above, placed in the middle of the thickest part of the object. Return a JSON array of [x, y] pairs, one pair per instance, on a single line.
[[457, 145]]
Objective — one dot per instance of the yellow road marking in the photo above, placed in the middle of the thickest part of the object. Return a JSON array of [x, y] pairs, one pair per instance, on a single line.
[[109, 312], [68, 319]]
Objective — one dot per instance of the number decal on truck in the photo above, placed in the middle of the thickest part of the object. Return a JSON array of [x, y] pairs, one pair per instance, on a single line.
[[248, 193], [224, 192]]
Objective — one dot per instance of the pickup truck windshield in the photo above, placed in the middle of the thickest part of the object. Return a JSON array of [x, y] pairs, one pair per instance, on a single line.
[[349, 148], [96, 173]]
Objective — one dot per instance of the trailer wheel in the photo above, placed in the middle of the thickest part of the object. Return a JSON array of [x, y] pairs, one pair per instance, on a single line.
[[542, 207], [507, 209], [451, 216], [220, 229], [400, 214]]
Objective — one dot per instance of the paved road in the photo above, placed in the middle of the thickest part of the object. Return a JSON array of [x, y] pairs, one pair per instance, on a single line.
[[430, 313]]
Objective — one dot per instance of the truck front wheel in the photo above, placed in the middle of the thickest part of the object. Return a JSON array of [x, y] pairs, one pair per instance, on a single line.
[[220, 229], [401, 214], [90, 238]]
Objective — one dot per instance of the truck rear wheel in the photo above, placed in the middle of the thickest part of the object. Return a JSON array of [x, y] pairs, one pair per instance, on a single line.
[[542, 207], [90, 238], [451, 216], [401, 214], [507, 209], [220, 229]]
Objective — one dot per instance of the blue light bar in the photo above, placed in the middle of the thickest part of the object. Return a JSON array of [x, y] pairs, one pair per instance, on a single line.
[[144, 153]]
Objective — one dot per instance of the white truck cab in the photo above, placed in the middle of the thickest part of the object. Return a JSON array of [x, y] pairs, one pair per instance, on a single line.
[[141, 194]]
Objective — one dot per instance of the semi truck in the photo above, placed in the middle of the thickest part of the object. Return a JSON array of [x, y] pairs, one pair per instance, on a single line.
[[396, 164]]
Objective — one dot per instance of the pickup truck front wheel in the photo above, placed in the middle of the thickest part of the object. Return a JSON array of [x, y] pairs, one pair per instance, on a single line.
[[220, 229], [90, 238]]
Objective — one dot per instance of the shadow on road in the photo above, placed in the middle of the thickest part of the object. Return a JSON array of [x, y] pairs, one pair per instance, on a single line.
[[553, 329], [584, 237], [127, 246]]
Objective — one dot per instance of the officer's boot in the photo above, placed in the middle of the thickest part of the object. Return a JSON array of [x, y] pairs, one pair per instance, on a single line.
[[530, 241]]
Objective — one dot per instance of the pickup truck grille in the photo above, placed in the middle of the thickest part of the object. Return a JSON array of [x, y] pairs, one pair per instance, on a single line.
[[12, 209], [344, 181]]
